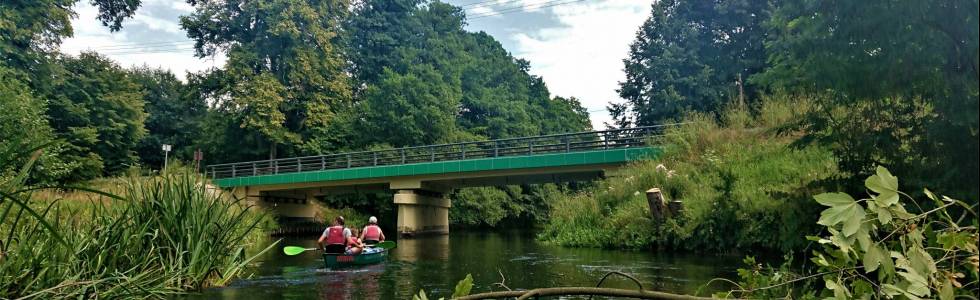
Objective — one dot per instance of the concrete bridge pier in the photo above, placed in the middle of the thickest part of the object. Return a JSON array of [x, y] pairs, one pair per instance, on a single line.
[[422, 212]]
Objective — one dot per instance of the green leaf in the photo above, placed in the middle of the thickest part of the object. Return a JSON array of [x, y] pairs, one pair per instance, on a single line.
[[463, 287], [840, 291], [872, 259], [946, 292], [834, 199], [917, 284], [884, 216], [883, 181], [843, 209], [420, 296], [887, 198]]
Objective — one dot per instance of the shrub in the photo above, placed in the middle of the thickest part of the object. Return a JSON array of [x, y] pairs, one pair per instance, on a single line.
[[875, 248]]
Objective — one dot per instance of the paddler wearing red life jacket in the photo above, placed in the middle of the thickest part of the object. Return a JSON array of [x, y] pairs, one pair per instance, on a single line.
[[334, 238], [372, 234]]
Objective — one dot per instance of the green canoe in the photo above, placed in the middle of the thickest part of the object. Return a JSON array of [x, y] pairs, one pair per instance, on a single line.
[[334, 261]]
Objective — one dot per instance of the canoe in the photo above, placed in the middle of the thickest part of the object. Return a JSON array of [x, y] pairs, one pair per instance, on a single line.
[[370, 257]]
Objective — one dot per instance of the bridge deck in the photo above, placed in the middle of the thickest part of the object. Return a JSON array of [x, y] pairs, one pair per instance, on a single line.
[[561, 150]]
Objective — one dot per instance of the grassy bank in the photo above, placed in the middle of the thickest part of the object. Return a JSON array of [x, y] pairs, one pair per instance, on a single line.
[[153, 237], [742, 187]]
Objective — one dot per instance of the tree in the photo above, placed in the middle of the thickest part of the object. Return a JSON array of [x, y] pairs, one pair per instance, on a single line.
[[418, 108], [31, 30], [174, 116], [899, 75], [98, 110], [498, 97], [691, 56], [23, 127], [284, 79]]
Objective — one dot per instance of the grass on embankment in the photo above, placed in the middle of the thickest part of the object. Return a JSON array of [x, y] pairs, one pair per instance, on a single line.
[[160, 236], [742, 187]]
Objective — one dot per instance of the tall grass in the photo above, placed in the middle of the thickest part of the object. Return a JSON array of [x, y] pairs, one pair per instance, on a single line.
[[742, 186], [162, 236]]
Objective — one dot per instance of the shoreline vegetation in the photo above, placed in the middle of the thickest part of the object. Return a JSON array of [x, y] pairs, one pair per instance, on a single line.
[[741, 184], [150, 238]]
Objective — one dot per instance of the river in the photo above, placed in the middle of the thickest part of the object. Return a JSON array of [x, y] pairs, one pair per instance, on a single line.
[[436, 263]]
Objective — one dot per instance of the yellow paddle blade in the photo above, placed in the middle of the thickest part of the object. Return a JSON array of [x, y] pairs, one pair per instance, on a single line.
[[293, 250], [387, 245]]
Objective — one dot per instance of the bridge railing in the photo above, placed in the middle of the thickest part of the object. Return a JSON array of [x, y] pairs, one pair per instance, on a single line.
[[555, 143]]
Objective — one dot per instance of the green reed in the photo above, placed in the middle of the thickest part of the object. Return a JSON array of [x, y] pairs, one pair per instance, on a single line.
[[162, 236]]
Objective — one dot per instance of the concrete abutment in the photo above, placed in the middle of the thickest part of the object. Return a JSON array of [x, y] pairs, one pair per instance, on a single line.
[[422, 212]]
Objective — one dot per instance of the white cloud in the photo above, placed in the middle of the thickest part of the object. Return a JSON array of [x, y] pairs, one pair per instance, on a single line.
[[583, 56], [143, 40]]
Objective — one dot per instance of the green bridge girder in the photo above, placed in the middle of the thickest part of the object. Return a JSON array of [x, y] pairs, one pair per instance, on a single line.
[[530, 162]]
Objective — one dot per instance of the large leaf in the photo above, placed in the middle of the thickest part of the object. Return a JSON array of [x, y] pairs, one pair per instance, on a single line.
[[882, 182], [463, 287], [843, 209], [873, 257]]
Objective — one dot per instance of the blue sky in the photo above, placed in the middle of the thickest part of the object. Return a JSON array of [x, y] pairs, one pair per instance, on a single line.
[[577, 46]]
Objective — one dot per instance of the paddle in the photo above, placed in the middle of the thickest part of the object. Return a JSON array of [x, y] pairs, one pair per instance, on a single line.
[[387, 245], [293, 250]]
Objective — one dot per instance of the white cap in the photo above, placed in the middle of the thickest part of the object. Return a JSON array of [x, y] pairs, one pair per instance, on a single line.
[[372, 220]]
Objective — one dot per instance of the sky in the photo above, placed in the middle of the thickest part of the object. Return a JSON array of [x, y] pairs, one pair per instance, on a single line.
[[577, 46]]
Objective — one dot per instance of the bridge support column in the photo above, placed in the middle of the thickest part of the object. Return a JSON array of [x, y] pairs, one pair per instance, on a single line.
[[422, 212]]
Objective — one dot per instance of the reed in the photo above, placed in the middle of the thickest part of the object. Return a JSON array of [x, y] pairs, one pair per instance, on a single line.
[[161, 236]]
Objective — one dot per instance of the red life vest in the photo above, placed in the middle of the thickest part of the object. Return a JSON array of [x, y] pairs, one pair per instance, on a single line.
[[335, 235], [372, 233]]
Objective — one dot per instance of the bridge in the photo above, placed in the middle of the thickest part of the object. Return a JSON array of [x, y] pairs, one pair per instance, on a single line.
[[421, 177]]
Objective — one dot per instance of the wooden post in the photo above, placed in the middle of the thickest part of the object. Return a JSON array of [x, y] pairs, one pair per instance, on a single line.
[[655, 199]]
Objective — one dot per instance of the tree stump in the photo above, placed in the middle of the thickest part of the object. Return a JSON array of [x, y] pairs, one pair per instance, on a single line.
[[655, 199]]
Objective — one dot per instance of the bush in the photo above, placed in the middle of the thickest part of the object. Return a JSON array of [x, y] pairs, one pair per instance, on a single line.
[[741, 185]]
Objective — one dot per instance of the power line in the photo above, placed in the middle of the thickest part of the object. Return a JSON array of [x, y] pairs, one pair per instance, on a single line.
[[174, 46], [552, 3]]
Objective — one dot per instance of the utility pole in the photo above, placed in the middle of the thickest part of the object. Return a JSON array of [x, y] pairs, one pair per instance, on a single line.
[[166, 152]]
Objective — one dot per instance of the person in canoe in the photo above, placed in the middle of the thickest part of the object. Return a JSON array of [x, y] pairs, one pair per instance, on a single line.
[[354, 245], [334, 239], [372, 234]]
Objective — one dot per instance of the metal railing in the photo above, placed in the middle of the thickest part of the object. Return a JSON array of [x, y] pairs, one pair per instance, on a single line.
[[555, 143]]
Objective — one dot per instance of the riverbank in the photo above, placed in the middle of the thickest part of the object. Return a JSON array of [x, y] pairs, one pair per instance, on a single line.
[[742, 185], [150, 238]]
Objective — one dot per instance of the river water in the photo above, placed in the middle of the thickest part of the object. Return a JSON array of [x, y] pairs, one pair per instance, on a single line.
[[437, 263]]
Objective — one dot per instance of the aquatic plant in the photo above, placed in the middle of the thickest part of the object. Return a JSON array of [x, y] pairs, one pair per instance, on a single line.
[[164, 235]]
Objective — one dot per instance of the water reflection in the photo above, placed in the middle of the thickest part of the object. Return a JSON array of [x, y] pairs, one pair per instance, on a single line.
[[437, 263]]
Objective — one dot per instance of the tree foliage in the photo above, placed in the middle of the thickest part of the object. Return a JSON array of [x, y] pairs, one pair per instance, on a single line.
[[97, 109], [692, 56], [284, 78], [174, 116], [900, 75]]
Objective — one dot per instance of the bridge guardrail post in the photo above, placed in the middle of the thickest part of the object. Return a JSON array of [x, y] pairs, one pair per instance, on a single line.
[[323, 162], [568, 144], [432, 153], [233, 171], [299, 165], [496, 149], [275, 167], [348, 161], [403, 155]]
